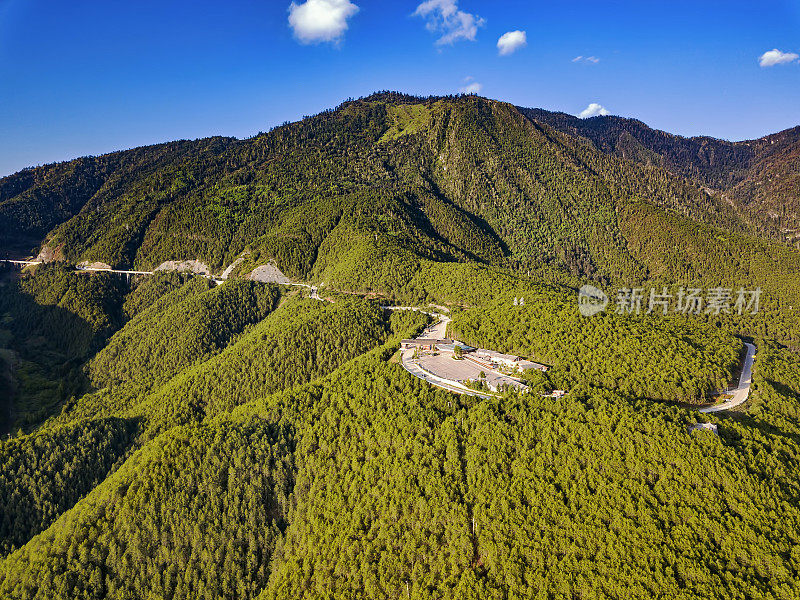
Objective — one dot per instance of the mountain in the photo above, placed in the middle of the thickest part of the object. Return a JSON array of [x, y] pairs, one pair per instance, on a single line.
[[174, 438], [459, 178], [361, 197], [760, 178]]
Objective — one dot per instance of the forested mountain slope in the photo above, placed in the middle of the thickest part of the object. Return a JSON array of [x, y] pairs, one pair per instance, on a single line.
[[179, 439], [761, 177], [356, 197], [187, 326], [370, 483], [449, 178], [49, 325], [34, 201], [195, 515]]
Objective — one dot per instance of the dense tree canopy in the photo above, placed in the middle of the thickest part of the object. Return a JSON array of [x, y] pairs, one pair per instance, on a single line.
[[173, 438]]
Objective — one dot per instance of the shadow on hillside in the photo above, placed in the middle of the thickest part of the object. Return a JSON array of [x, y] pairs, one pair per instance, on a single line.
[[18, 247], [50, 345], [785, 390]]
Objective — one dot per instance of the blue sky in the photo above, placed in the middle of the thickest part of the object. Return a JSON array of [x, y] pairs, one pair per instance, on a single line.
[[85, 77]]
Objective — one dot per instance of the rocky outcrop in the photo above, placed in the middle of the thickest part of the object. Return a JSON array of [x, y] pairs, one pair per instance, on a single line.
[[95, 265]]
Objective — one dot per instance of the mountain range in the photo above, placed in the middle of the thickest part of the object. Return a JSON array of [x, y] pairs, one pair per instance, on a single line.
[[460, 178], [173, 438]]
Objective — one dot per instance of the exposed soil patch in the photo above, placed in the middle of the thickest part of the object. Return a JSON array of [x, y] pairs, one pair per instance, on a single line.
[[191, 266], [268, 273]]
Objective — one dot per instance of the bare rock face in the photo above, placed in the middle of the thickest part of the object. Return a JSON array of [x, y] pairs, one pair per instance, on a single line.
[[49, 254], [191, 266], [268, 273], [95, 265]]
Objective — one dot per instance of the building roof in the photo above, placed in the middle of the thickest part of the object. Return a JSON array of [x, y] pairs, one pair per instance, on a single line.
[[452, 347], [494, 355]]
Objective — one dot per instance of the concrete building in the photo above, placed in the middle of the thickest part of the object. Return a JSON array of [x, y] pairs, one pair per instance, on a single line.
[[524, 365], [452, 347], [424, 343], [491, 358]]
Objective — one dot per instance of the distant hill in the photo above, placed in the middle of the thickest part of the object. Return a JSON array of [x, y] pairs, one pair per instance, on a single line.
[[761, 177]]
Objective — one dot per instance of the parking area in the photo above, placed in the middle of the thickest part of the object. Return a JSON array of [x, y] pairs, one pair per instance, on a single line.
[[446, 367]]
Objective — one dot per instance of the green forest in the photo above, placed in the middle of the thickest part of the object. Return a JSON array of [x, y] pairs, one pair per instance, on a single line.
[[173, 436]]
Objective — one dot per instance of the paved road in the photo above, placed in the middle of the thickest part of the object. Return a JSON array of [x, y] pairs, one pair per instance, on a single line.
[[411, 365], [743, 390], [436, 331], [216, 280], [439, 330]]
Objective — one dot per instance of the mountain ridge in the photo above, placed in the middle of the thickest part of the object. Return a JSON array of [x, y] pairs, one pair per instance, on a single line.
[[181, 439], [396, 179], [733, 170]]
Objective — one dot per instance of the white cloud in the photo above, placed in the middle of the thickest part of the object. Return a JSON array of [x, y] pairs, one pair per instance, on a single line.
[[443, 16], [594, 110], [586, 59], [316, 21], [471, 88], [511, 41], [776, 57]]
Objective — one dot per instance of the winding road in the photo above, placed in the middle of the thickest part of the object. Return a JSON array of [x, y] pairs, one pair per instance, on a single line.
[[438, 331], [742, 391]]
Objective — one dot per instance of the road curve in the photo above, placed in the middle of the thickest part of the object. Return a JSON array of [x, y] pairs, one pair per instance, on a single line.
[[742, 391]]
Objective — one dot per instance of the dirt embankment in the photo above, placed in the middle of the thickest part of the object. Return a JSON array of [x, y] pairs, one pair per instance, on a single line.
[[95, 265], [268, 273], [48, 254], [191, 266]]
